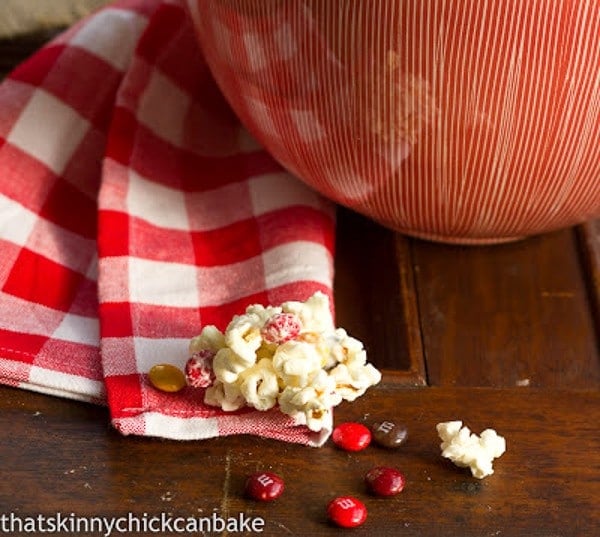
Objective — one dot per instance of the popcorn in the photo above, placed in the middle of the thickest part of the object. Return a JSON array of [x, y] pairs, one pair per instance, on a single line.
[[243, 337], [296, 363], [259, 385], [228, 396], [469, 450], [311, 405], [211, 338], [291, 356], [227, 365]]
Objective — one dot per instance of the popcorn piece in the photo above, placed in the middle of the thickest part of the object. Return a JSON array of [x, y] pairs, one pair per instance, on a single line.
[[465, 449], [259, 385], [296, 362], [243, 336], [210, 338], [227, 366], [290, 355], [311, 405], [352, 382], [314, 314], [227, 396]]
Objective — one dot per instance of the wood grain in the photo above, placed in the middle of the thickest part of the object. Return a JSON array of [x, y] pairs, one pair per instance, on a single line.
[[375, 296], [589, 236], [508, 314], [60, 456]]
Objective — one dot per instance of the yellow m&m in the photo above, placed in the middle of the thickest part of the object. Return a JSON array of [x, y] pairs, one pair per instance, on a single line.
[[167, 378]]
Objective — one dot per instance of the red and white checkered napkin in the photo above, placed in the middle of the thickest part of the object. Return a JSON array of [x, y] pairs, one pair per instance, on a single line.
[[134, 209]]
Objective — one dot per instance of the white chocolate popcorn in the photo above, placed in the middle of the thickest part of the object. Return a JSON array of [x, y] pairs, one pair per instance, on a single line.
[[227, 366], [311, 405], [465, 449], [314, 314], [296, 362], [243, 336], [226, 396], [210, 338], [352, 382], [291, 356], [259, 385]]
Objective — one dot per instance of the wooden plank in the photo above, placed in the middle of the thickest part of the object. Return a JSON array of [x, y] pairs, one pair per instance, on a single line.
[[375, 297], [60, 456], [589, 236], [508, 314]]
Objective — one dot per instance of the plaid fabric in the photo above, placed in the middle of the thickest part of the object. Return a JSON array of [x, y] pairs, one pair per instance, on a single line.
[[135, 209]]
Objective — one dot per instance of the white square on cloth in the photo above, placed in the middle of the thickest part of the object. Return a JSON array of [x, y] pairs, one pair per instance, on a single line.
[[11, 212], [53, 139], [111, 35], [78, 329], [163, 107], [158, 204], [162, 284], [152, 351]]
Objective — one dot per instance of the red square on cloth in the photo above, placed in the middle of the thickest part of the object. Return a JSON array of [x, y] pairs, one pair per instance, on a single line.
[[39, 280]]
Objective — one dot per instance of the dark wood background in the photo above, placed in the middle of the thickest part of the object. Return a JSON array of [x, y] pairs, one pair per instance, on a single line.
[[502, 336]]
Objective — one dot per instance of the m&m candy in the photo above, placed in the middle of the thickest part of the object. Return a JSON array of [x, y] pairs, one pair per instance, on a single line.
[[346, 511], [351, 436]]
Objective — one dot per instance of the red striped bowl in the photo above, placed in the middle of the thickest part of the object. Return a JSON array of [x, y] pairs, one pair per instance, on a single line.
[[455, 120]]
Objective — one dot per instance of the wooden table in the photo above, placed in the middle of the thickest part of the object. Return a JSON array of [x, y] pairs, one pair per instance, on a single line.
[[503, 337]]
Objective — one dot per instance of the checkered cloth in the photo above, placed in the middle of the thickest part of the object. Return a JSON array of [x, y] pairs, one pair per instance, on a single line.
[[135, 209]]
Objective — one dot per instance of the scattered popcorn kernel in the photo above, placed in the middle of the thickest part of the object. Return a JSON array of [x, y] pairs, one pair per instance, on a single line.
[[465, 449]]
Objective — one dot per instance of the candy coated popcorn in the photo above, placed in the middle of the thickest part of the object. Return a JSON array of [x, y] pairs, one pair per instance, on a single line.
[[465, 449], [291, 356], [280, 328], [198, 369]]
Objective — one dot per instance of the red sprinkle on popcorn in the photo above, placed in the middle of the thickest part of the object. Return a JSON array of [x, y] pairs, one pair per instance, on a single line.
[[281, 327], [198, 369]]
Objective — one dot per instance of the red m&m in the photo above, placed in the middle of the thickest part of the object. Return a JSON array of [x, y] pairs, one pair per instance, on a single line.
[[264, 486], [385, 481], [346, 511], [351, 436]]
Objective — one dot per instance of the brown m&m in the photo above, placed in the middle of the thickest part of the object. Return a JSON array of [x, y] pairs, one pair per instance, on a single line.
[[389, 434]]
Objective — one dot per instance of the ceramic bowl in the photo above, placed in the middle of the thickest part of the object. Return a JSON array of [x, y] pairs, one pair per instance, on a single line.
[[460, 121]]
